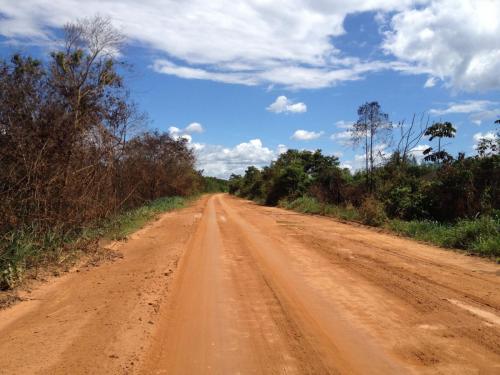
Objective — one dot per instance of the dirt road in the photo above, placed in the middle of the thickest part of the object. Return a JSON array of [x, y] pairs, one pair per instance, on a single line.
[[229, 287]]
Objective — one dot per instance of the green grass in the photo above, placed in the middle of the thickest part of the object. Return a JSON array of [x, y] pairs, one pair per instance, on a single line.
[[29, 248], [303, 204], [478, 236], [122, 225], [311, 205]]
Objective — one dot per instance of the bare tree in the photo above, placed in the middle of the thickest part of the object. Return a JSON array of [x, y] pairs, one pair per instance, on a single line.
[[372, 128], [410, 136]]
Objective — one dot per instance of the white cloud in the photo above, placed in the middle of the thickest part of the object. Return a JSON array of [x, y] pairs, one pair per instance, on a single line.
[[343, 137], [344, 124], [431, 82], [479, 136], [260, 50], [220, 161], [167, 67], [488, 135], [484, 116], [304, 135], [456, 41], [418, 152], [467, 106], [290, 76], [174, 131], [194, 127], [478, 110], [282, 149], [381, 154], [284, 105]]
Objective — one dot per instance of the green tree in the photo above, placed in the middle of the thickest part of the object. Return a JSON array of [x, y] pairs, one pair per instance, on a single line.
[[251, 183], [234, 184], [439, 130]]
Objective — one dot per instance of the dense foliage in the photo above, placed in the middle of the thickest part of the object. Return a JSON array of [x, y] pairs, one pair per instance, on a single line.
[[68, 149], [440, 189], [71, 153], [214, 185]]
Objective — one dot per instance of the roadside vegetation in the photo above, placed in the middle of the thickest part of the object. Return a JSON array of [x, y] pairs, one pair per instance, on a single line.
[[27, 251], [428, 194], [77, 161]]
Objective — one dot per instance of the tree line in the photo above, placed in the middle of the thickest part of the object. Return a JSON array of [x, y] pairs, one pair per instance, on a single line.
[[74, 148], [392, 184]]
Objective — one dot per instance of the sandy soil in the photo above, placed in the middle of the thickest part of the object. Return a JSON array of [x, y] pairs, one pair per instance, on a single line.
[[229, 287]]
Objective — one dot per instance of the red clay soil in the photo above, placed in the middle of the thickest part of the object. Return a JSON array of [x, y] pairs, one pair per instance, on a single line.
[[229, 287]]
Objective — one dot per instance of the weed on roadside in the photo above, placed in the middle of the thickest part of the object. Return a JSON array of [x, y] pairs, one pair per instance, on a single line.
[[26, 250]]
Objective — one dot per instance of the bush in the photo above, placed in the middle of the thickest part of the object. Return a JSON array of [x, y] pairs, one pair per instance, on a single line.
[[306, 204], [26, 248], [68, 157], [345, 212], [480, 236], [372, 212]]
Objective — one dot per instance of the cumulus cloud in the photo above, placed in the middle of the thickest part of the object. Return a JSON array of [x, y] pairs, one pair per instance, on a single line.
[[284, 105], [453, 40], [304, 135], [220, 161], [194, 127]]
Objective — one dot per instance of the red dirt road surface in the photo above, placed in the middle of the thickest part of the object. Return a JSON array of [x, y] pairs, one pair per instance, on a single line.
[[229, 287]]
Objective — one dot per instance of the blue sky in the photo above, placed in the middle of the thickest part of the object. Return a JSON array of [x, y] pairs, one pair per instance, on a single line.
[[222, 65]]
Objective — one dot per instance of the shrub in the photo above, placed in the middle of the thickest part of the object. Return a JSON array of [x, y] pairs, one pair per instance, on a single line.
[[481, 236], [28, 247], [345, 212], [304, 204], [372, 212]]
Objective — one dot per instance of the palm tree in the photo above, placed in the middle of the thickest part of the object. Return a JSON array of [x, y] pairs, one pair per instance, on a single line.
[[439, 130]]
